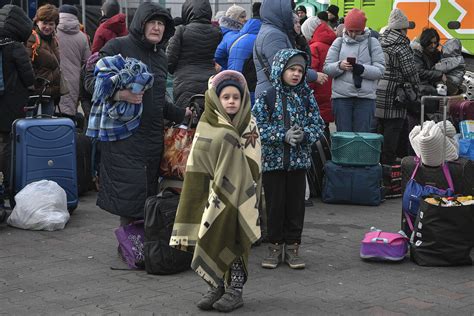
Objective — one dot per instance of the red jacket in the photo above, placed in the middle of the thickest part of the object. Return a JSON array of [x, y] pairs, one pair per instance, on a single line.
[[319, 44], [110, 29]]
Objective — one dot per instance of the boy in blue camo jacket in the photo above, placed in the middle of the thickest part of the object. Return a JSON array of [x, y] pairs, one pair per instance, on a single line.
[[289, 121]]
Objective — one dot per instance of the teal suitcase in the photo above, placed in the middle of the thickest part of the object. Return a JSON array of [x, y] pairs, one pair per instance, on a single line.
[[356, 149]]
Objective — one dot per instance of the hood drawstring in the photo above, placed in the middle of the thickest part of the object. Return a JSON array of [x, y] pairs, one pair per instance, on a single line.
[[154, 49]]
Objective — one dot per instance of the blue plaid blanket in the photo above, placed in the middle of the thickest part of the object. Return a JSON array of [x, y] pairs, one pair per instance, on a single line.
[[115, 120]]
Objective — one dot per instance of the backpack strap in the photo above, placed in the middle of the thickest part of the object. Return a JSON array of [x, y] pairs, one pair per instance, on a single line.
[[270, 99]]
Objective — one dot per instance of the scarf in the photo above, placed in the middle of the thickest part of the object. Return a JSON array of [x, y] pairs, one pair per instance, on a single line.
[[110, 120], [217, 216]]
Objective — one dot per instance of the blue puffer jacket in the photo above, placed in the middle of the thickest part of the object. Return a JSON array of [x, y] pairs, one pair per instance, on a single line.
[[230, 29], [242, 47], [302, 110]]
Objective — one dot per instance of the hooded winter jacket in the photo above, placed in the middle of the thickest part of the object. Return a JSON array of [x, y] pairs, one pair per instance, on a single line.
[[17, 72], [191, 51], [319, 44], [129, 167], [452, 63], [230, 32], [424, 63], [44, 53], [301, 109], [110, 29], [74, 51], [242, 47], [374, 66], [277, 23], [400, 68]]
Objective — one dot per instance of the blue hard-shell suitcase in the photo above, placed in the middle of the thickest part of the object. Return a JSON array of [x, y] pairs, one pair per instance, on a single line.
[[352, 185], [45, 148]]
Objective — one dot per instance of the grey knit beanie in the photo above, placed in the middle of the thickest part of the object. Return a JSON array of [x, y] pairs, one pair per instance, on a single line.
[[309, 26], [235, 12], [398, 20]]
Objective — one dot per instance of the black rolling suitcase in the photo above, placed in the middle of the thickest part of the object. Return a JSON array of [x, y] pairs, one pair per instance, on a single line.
[[320, 153], [83, 158]]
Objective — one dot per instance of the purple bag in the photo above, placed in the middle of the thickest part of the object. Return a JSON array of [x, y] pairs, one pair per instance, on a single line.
[[130, 239], [382, 246]]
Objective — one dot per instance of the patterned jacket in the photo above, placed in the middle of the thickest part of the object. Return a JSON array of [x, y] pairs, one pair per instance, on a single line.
[[301, 109], [400, 68]]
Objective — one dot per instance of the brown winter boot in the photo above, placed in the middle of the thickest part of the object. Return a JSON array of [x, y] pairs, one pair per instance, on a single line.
[[292, 257], [274, 257]]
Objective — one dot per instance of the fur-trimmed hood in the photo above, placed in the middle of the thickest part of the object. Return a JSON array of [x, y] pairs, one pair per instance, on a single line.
[[230, 23]]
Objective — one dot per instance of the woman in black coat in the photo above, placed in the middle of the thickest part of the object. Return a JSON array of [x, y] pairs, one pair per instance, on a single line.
[[191, 51], [17, 73], [129, 167]]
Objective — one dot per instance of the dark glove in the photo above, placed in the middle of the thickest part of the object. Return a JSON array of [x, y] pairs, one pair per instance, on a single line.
[[358, 69]]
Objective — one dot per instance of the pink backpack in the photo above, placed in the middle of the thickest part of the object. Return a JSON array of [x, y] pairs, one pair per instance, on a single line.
[[382, 246]]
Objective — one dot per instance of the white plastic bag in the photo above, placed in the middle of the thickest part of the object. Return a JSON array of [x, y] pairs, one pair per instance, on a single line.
[[40, 205]]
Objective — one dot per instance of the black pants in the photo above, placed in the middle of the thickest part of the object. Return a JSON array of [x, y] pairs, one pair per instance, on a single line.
[[284, 196], [391, 129], [5, 157]]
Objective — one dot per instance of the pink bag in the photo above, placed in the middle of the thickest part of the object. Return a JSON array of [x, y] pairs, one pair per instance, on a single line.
[[382, 246]]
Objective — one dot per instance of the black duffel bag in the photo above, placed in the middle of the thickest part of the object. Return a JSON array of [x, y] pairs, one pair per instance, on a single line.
[[443, 235], [160, 258]]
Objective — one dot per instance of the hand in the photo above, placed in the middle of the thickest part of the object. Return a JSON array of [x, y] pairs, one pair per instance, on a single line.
[[322, 78], [188, 112], [444, 78], [217, 67], [345, 65], [130, 97], [290, 136], [299, 136]]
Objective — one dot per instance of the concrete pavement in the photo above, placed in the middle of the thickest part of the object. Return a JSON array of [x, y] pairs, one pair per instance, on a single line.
[[68, 273]]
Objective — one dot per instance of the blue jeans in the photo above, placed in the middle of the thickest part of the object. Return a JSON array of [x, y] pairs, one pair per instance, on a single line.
[[353, 114]]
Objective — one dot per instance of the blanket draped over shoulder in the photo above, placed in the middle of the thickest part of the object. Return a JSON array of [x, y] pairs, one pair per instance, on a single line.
[[115, 120], [217, 215]]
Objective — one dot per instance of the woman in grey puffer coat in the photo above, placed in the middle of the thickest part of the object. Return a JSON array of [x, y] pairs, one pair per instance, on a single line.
[[191, 50], [400, 69], [355, 83]]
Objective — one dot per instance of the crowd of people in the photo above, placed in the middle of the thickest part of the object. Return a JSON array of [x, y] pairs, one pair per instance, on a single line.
[[273, 83]]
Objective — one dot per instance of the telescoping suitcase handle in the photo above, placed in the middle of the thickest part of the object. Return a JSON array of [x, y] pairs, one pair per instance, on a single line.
[[444, 105]]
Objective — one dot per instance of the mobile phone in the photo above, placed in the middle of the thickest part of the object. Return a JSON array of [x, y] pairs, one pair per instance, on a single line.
[[351, 60]]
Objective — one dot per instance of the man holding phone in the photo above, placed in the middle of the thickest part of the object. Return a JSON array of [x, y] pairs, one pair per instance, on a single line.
[[356, 66]]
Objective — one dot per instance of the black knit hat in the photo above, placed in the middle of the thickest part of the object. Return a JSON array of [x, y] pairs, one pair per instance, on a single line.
[[256, 9], [226, 83], [334, 9], [323, 16], [110, 8], [67, 8], [301, 8]]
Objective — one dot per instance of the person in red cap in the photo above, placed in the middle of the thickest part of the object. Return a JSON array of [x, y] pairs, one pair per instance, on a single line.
[[356, 62]]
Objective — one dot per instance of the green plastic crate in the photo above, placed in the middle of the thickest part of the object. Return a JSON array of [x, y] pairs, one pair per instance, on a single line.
[[356, 149]]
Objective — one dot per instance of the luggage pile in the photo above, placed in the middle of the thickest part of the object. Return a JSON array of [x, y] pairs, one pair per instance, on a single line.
[[354, 175], [433, 214]]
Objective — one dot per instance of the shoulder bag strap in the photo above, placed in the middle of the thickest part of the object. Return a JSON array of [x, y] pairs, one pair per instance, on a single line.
[[236, 41], [262, 63]]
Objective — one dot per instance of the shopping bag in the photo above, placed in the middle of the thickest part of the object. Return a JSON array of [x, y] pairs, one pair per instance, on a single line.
[[178, 142], [443, 234], [130, 238]]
